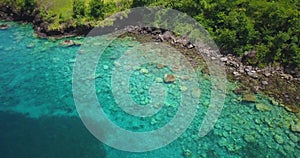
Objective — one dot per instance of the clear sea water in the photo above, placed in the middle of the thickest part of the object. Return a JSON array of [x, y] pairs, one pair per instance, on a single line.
[[38, 117]]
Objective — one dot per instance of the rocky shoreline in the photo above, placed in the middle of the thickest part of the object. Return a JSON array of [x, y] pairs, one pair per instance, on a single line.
[[281, 87], [281, 84]]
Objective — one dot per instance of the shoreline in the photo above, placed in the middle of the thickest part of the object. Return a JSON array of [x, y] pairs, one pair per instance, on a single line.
[[40, 26], [272, 81]]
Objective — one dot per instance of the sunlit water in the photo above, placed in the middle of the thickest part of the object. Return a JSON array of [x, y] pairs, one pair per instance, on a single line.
[[38, 117]]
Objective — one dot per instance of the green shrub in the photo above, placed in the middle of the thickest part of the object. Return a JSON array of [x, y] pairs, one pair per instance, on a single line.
[[140, 3], [78, 8], [96, 8], [27, 5]]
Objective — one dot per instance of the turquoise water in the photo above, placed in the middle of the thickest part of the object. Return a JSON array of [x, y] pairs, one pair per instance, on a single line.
[[39, 118]]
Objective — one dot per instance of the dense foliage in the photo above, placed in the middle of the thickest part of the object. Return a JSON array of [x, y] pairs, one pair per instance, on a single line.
[[78, 8], [97, 8], [25, 5], [270, 28]]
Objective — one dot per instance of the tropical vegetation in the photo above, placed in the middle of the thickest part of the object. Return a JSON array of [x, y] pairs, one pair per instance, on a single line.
[[270, 28]]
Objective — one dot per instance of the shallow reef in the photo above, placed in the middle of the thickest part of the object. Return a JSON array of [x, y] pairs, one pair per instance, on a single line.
[[39, 117]]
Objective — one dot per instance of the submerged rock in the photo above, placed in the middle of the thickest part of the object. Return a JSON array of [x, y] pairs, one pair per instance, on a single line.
[[105, 67], [183, 88], [249, 138], [293, 137], [169, 78], [69, 43], [291, 108], [4, 26], [144, 71], [30, 45], [185, 77], [278, 139], [117, 64], [296, 127], [249, 97], [160, 66], [274, 102], [196, 93], [262, 107], [159, 80], [187, 153]]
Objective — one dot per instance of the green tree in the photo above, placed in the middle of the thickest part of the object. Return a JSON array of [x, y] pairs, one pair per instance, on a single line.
[[141, 3], [97, 8], [78, 8], [27, 5]]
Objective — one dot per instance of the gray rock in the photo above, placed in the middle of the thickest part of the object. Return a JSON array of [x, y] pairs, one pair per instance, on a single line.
[[190, 46], [241, 71], [156, 32], [264, 82], [236, 73], [249, 68], [182, 41], [167, 36], [286, 76], [224, 59], [252, 74], [267, 74], [256, 89], [233, 63], [161, 37]]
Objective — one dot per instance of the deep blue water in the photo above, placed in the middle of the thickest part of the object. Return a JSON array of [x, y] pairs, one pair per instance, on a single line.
[[38, 117]]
